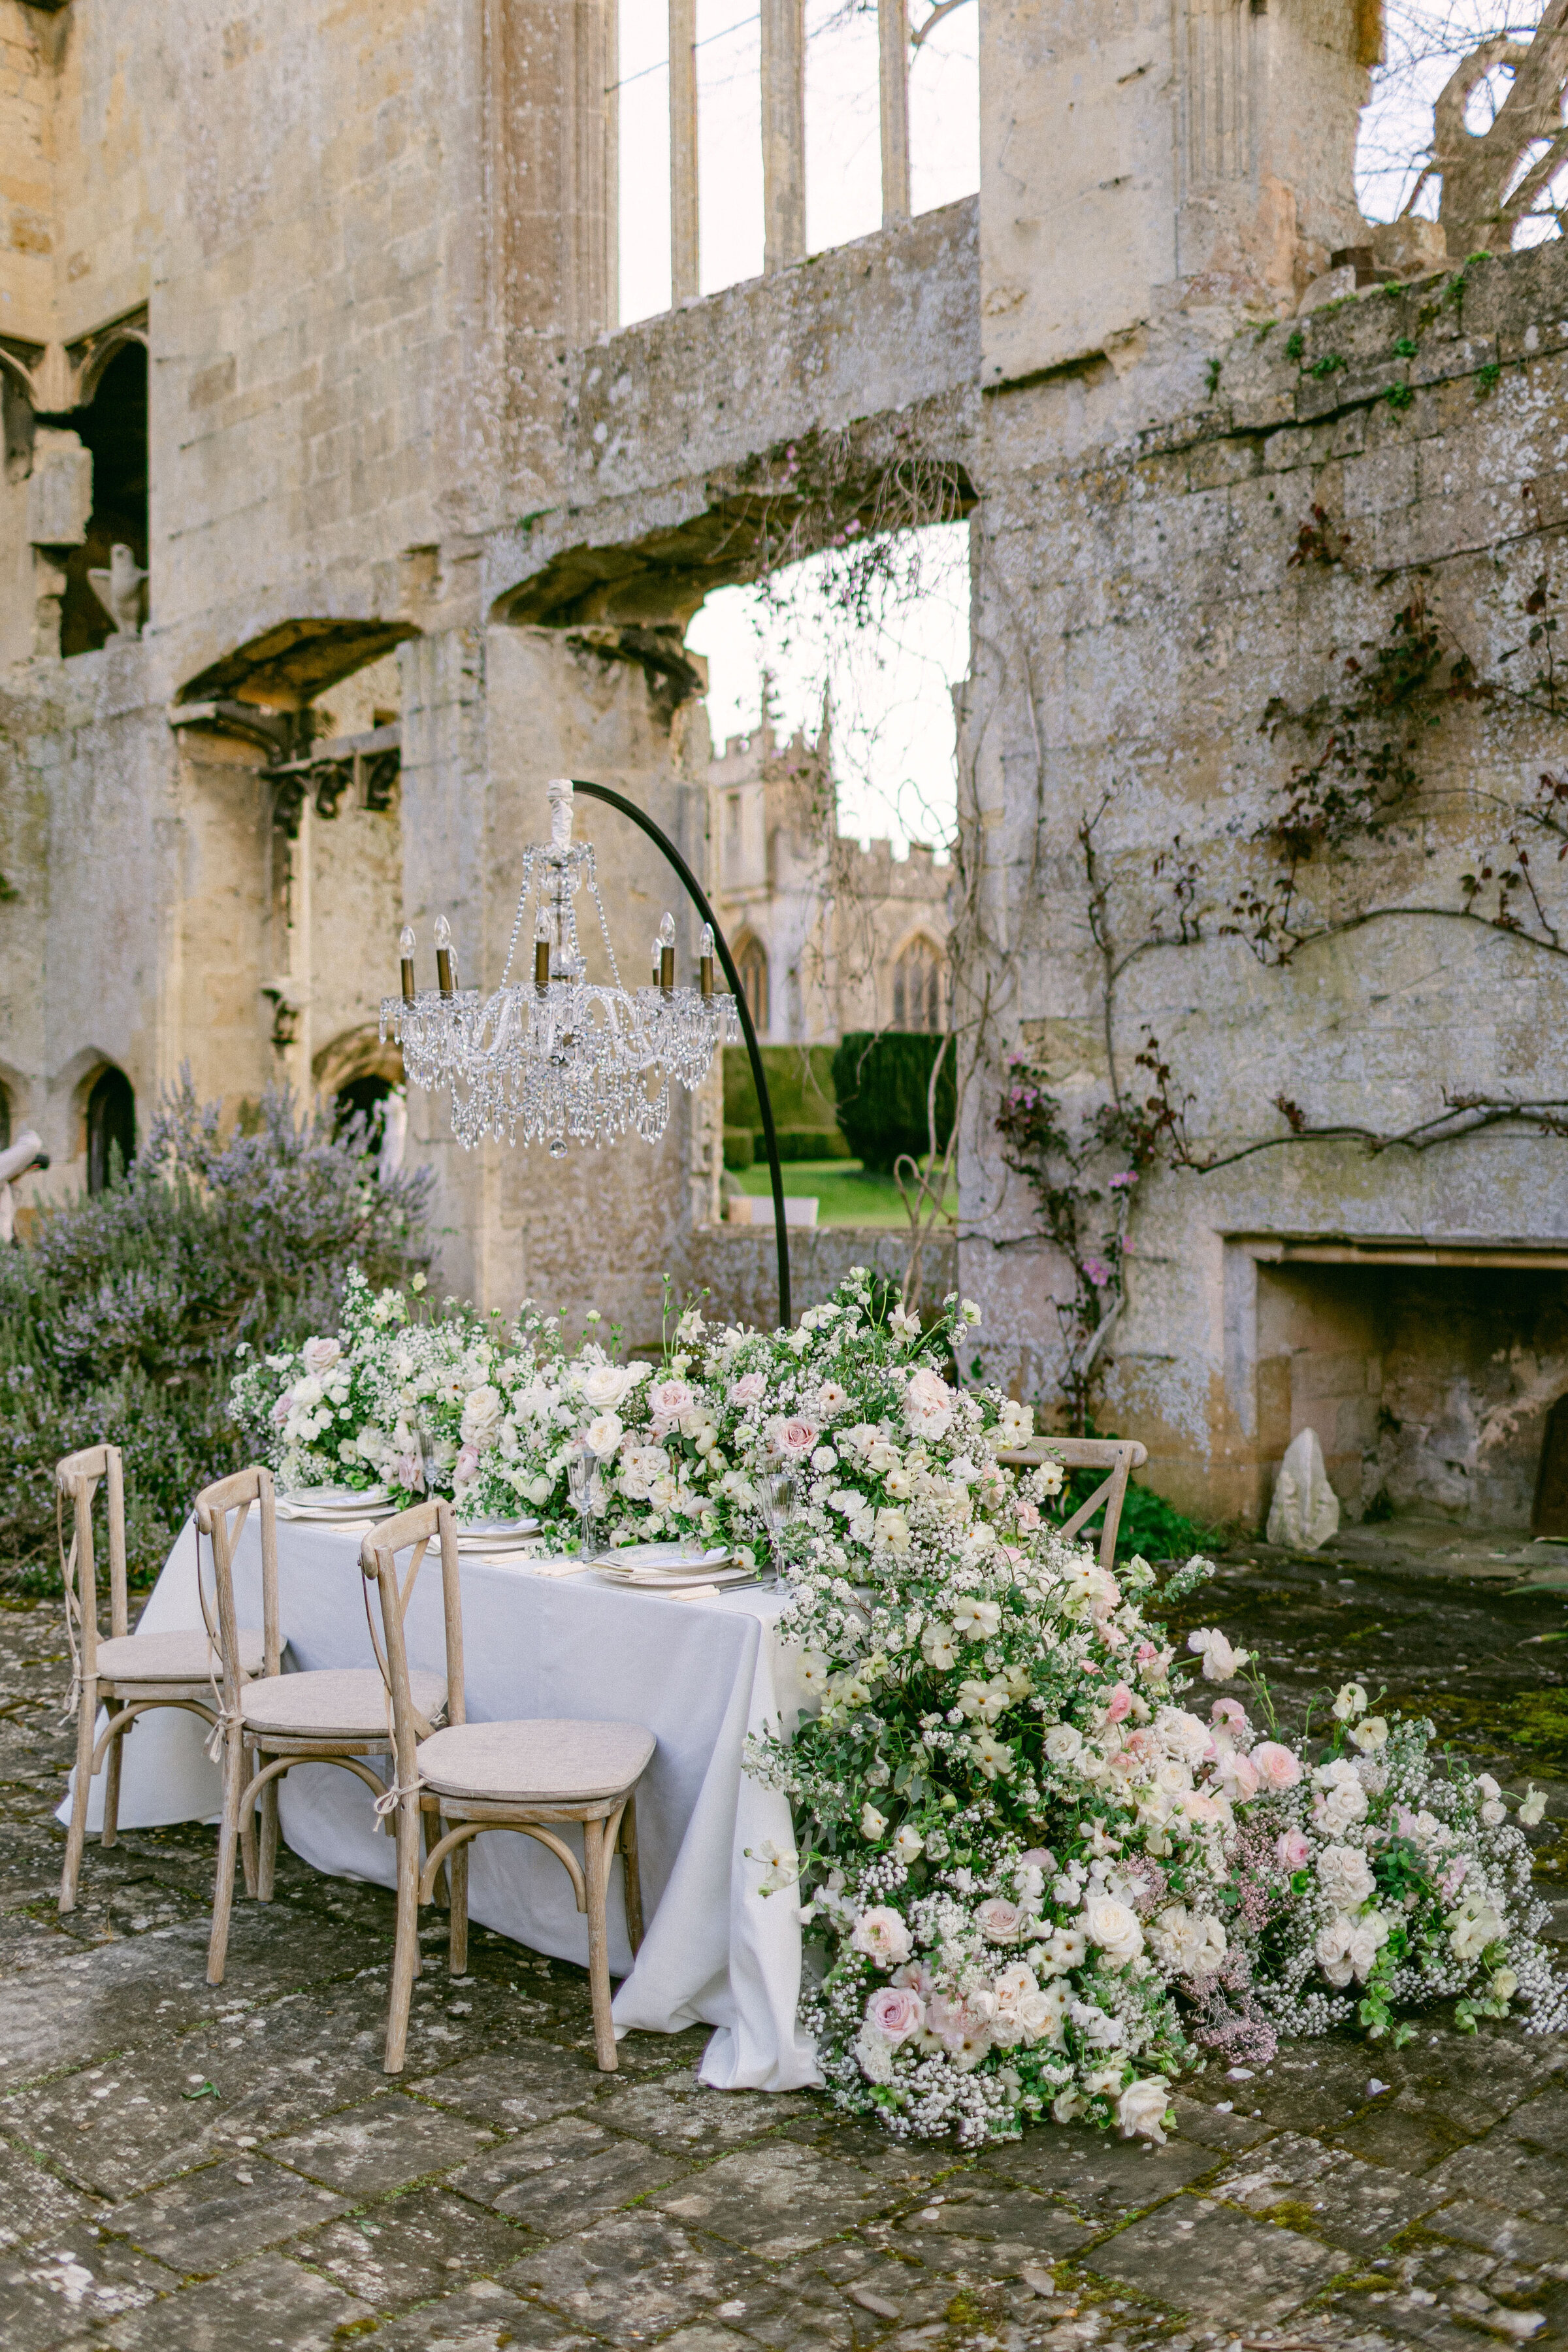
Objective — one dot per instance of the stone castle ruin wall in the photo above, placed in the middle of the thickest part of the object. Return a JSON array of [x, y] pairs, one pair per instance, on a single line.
[[423, 528]]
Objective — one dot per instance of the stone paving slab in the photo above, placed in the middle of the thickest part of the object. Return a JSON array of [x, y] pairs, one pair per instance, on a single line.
[[183, 2165]]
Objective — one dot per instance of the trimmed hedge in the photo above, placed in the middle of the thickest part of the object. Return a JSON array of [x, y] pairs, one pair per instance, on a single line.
[[737, 1149], [800, 1087], [881, 1080], [804, 1143]]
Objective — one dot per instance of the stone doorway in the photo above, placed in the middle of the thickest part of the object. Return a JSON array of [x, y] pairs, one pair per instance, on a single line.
[[1438, 1387]]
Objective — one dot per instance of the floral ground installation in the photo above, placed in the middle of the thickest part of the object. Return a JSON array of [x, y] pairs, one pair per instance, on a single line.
[[1044, 1862]]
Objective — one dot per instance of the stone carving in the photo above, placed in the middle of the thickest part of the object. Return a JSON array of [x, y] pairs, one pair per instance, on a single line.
[[1305, 1511], [119, 590]]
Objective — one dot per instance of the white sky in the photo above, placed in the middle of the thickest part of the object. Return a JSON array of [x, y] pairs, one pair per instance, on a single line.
[[890, 687]]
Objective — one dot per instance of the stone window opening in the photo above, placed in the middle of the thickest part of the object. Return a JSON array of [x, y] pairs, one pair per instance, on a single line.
[[105, 593], [110, 1129], [752, 963], [919, 987], [363, 1098]]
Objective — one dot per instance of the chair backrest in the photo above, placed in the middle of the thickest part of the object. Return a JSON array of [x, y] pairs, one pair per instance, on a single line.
[[221, 1512], [1118, 1456], [414, 1532], [78, 1475]]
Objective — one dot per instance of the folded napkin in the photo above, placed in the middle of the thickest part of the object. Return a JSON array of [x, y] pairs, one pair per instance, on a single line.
[[559, 1567], [696, 1592]]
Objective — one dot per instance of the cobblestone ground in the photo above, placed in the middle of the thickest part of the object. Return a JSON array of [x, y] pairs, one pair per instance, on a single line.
[[184, 2168]]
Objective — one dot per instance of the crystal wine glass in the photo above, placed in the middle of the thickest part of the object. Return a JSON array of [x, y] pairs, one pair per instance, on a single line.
[[582, 1484], [776, 1497]]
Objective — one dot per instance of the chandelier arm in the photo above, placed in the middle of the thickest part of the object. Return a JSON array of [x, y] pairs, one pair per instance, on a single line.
[[662, 842]]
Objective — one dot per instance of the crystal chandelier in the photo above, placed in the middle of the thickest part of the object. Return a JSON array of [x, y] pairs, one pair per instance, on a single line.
[[559, 1057]]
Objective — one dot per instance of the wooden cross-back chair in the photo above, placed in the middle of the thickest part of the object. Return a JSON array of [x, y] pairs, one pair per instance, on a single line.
[[1118, 1456], [329, 1715], [129, 1674], [533, 1776]]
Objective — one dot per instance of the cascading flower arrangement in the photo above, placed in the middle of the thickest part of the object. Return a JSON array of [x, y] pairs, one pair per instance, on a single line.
[[1038, 1875]]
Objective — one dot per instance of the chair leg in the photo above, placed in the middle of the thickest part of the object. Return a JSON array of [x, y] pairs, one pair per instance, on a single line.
[[442, 1889], [234, 1783], [633, 1875], [86, 1721], [267, 1860], [458, 1944], [595, 1859], [247, 1827], [405, 1946], [111, 1789]]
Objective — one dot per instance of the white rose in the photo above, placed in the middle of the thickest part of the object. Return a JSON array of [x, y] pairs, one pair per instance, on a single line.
[[1141, 2109], [319, 1355], [929, 1403], [539, 1490], [482, 1411], [603, 1386], [1114, 1927], [1041, 2013], [1332, 1949], [1494, 1813], [604, 1434], [882, 1934], [874, 2053], [1063, 1743], [306, 1392], [1344, 1877]]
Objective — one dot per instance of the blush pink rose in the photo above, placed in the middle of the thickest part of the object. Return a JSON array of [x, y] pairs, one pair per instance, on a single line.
[[283, 1408], [999, 1921], [466, 1466], [669, 1400], [1119, 1706], [1240, 1776], [896, 2011], [1294, 1851], [795, 1436], [750, 1389], [1231, 1714], [1277, 1767], [1029, 1514]]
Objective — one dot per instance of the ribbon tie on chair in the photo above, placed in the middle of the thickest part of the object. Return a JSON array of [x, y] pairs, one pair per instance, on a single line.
[[387, 1804]]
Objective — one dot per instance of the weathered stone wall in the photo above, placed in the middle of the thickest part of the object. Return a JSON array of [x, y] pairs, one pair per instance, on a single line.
[[1138, 586]]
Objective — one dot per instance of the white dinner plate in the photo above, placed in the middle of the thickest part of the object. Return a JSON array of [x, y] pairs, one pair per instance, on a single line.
[[656, 1558], [676, 1581], [333, 1502]]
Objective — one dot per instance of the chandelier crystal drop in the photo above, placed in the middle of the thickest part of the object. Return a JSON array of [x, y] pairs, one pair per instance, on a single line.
[[558, 1057]]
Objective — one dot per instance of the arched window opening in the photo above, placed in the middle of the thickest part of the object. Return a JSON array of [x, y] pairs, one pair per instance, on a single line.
[[113, 425], [362, 1098], [918, 978], [752, 963], [110, 1129]]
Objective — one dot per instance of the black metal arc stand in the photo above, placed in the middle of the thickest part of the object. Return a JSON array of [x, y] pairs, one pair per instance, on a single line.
[[661, 841]]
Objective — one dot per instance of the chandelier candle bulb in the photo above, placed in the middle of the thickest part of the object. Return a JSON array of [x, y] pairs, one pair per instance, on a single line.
[[705, 963], [406, 950], [445, 978], [542, 944]]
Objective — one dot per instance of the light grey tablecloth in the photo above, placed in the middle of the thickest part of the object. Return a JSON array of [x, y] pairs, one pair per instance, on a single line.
[[699, 1675]]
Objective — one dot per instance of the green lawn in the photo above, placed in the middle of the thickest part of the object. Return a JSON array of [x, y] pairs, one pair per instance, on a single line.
[[847, 1194]]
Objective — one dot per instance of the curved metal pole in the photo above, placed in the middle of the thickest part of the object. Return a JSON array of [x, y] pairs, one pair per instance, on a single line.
[[661, 841]]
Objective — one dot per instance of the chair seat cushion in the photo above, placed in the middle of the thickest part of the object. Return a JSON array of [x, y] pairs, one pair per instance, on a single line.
[[334, 1702], [540, 1763], [173, 1658]]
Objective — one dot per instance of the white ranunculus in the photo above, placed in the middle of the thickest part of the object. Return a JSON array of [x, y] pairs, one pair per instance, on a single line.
[[1114, 1927], [1346, 1876], [976, 1620], [1141, 2109], [996, 1760], [872, 1823], [1221, 1663], [938, 1647], [1533, 1807], [1371, 1735], [1350, 1702], [908, 1844]]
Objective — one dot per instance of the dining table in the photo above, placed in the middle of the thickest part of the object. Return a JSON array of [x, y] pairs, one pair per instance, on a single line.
[[542, 1638]]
